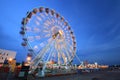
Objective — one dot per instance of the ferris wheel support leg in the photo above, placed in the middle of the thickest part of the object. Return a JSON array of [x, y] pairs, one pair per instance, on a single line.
[[67, 53], [67, 48], [42, 73], [36, 61], [63, 56], [77, 58], [35, 64]]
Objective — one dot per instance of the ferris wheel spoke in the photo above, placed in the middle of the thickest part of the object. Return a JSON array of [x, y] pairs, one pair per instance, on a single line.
[[62, 55], [63, 26], [48, 58], [53, 21], [40, 54], [61, 52], [68, 55], [28, 29], [47, 35], [67, 49], [40, 58], [70, 47], [61, 23], [35, 48], [50, 51], [43, 57], [37, 37], [64, 58], [69, 44], [42, 44], [45, 24], [56, 47], [39, 18], [46, 31], [50, 42], [42, 16], [46, 14], [36, 30], [59, 55], [30, 38], [58, 22], [34, 38], [37, 22], [48, 22], [53, 53], [30, 47]]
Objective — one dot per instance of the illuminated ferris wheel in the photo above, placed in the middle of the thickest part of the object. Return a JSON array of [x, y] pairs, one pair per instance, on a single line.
[[48, 37]]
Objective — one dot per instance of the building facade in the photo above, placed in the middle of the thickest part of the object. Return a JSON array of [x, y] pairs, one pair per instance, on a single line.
[[6, 54]]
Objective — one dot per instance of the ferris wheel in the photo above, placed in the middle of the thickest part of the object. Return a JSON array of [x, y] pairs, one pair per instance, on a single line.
[[48, 37]]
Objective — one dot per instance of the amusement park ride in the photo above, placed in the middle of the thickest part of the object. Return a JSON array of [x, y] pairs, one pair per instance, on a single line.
[[48, 38]]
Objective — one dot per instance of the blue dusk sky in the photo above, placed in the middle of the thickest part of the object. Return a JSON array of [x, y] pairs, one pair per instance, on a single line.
[[96, 25]]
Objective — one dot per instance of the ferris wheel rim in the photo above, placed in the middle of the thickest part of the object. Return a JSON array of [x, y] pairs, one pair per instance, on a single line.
[[53, 13]]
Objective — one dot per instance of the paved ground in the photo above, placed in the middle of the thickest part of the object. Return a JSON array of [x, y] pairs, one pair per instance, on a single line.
[[105, 75], [109, 75]]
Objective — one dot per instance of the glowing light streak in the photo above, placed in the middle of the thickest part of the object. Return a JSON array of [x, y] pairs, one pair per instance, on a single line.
[[48, 35], [37, 23], [28, 29], [58, 22], [42, 44], [48, 22], [37, 37], [46, 14], [45, 24], [35, 47], [31, 38], [36, 29], [49, 40], [53, 21], [45, 31], [42, 16], [63, 26], [39, 18]]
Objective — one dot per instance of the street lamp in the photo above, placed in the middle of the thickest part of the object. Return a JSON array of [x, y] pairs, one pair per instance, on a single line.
[[10, 59], [28, 61], [28, 58]]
